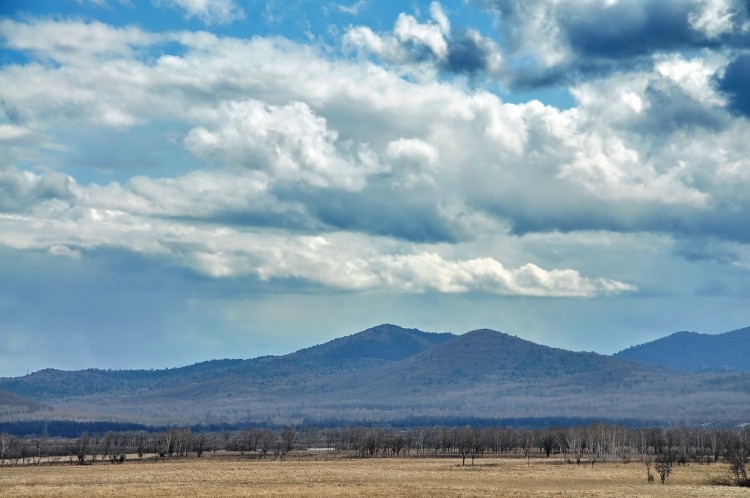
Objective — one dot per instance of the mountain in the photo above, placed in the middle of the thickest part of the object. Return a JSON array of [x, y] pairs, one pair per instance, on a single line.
[[695, 352], [389, 373], [11, 404], [366, 349], [385, 342]]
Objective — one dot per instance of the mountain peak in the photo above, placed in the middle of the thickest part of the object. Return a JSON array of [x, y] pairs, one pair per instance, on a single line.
[[382, 342], [695, 352]]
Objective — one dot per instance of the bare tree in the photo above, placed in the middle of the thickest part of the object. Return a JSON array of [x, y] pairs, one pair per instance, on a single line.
[[250, 440], [198, 444], [397, 444], [333, 436], [140, 442], [81, 447], [5, 444], [287, 441], [373, 441], [738, 466], [464, 440], [738, 457], [107, 442], [663, 466], [266, 438], [548, 440], [648, 462]]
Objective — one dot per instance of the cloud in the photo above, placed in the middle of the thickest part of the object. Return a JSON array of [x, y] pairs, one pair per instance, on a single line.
[[734, 84], [430, 35], [420, 47], [64, 251], [428, 271], [22, 190], [339, 260], [267, 137], [570, 39], [74, 41], [715, 19], [410, 215], [354, 9], [210, 12], [289, 142]]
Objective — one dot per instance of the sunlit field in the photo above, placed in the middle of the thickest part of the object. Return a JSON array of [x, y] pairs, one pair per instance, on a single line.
[[330, 476]]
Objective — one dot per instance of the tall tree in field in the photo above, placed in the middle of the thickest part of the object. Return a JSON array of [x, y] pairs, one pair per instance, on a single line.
[[81, 447], [5, 442], [287, 441], [463, 439], [266, 438]]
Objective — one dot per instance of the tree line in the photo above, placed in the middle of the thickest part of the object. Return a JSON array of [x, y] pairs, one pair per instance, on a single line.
[[658, 448]]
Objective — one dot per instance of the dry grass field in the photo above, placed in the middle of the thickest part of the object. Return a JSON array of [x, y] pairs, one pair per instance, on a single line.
[[217, 476]]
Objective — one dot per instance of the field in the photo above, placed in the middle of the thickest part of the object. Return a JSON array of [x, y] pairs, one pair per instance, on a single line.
[[222, 476]]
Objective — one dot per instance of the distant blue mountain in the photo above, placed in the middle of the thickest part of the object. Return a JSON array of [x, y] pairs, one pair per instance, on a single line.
[[695, 352], [389, 373]]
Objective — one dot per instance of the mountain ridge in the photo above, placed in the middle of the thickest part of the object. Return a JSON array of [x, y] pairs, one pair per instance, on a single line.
[[695, 352], [389, 372]]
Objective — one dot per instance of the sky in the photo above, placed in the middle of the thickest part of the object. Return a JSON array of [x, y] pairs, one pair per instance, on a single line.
[[185, 180]]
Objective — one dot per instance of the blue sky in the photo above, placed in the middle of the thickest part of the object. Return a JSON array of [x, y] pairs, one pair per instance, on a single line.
[[183, 180]]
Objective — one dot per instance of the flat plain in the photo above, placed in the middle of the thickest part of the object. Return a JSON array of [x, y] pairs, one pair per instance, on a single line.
[[415, 476]]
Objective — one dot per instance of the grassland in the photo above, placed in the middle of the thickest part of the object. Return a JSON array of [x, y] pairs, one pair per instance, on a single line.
[[330, 477]]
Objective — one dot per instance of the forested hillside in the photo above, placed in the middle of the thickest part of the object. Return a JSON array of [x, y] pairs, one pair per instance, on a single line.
[[388, 373], [696, 352]]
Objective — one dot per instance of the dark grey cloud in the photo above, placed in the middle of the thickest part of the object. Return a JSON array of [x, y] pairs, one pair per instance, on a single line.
[[468, 54], [12, 113], [605, 38], [18, 192], [735, 83], [629, 29], [534, 77], [707, 249], [569, 214], [671, 109], [288, 219], [462, 52], [377, 211]]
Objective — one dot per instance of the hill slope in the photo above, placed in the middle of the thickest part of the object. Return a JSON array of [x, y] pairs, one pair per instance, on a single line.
[[366, 349], [384, 342], [11, 404], [389, 373], [695, 352]]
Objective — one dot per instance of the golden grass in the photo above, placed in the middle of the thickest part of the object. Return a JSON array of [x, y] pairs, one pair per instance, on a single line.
[[356, 477]]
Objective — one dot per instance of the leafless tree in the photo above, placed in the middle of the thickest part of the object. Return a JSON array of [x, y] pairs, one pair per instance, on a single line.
[[5, 444], [249, 440], [287, 441], [738, 457], [663, 466], [548, 440], [465, 440], [266, 438], [648, 462], [81, 448], [373, 441], [107, 442], [738, 466], [198, 444], [423, 435], [140, 441], [332, 436], [397, 444]]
